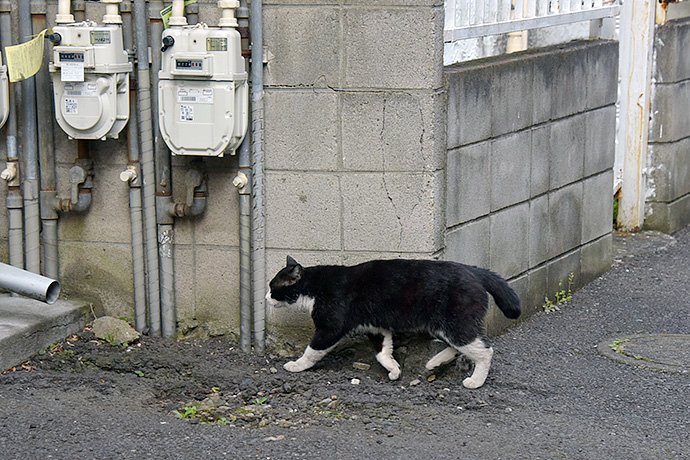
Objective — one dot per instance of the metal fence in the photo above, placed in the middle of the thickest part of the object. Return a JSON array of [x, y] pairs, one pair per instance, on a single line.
[[476, 18]]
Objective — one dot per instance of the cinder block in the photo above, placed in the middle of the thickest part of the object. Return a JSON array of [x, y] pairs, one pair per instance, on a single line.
[[567, 150], [507, 227], [469, 104], [542, 81], [390, 47], [101, 273], [302, 210], [671, 41], [565, 219], [564, 74], [468, 183], [540, 173], [601, 73], [597, 206], [537, 290], [469, 244], [391, 131], [596, 258], [669, 170], [301, 130], [304, 46], [510, 169], [560, 269], [511, 96], [539, 230], [600, 139], [668, 217], [669, 108], [217, 285], [107, 219], [404, 220]]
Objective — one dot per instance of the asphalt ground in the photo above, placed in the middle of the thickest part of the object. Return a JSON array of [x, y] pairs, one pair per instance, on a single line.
[[551, 392]]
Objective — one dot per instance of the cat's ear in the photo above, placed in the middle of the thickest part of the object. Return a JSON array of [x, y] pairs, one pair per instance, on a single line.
[[291, 262], [295, 274]]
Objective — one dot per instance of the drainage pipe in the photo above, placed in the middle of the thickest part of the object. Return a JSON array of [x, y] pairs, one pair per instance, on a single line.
[[148, 169], [30, 185], [242, 183], [132, 175], [29, 284], [64, 15], [177, 17], [46, 151], [11, 172], [257, 163]]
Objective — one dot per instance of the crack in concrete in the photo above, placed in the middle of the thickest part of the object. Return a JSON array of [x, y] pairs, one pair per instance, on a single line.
[[383, 173]]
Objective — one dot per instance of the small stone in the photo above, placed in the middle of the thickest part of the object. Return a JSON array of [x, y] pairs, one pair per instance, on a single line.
[[114, 330], [325, 402], [333, 404], [273, 370], [355, 381], [361, 366], [431, 378], [415, 382]]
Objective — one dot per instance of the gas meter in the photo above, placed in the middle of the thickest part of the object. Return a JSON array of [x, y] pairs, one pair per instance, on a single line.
[[202, 90], [90, 72], [4, 94]]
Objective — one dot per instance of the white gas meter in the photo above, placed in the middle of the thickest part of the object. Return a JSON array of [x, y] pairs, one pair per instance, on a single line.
[[202, 90], [4, 94], [90, 71]]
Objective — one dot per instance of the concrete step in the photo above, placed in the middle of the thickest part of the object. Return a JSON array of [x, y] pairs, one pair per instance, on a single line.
[[28, 326]]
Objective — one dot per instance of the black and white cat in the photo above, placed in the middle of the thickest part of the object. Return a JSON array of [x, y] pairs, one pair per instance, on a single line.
[[446, 299]]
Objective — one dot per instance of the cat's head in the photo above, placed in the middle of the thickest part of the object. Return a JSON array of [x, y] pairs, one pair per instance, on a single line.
[[284, 287]]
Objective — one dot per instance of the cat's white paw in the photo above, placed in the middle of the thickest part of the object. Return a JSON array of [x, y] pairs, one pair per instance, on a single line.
[[394, 374], [293, 366], [471, 383]]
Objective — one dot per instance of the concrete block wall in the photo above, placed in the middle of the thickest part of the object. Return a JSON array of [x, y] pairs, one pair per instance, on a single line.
[[529, 166], [668, 159], [354, 133]]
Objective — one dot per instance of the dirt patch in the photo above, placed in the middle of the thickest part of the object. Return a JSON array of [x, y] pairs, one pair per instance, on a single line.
[[213, 382]]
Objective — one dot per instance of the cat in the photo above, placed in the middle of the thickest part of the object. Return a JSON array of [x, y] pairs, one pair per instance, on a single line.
[[446, 299]]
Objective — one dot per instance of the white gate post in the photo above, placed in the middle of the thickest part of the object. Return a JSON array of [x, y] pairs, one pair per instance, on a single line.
[[636, 42]]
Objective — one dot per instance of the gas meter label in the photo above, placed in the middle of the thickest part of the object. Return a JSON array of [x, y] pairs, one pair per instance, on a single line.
[[216, 44], [195, 95], [81, 90], [72, 71], [71, 106], [100, 37], [186, 112]]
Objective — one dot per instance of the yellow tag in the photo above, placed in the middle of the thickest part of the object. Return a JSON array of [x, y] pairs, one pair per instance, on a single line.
[[24, 60], [167, 12]]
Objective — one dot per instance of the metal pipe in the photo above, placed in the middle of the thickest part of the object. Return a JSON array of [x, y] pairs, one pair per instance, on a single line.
[[243, 185], [258, 231], [64, 15], [29, 284], [148, 169], [11, 173], [177, 17], [112, 12], [168, 310], [30, 185], [46, 151], [132, 175]]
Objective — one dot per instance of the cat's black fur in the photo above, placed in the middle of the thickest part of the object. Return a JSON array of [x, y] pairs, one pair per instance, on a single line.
[[446, 299]]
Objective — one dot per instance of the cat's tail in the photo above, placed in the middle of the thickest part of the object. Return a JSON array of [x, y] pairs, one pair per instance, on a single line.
[[506, 298]]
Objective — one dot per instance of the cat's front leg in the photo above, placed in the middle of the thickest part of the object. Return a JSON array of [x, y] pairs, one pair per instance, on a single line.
[[308, 359]]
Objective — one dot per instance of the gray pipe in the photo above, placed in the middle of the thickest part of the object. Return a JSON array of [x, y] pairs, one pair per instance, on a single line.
[[168, 311], [46, 150], [245, 210], [148, 168], [258, 231], [30, 184], [29, 284], [14, 200], [135, 206]]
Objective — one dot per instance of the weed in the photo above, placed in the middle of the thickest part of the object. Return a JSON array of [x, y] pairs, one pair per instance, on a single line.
[[259, 401], [139, 373], [561, 297], [618, 344], [188, 412]]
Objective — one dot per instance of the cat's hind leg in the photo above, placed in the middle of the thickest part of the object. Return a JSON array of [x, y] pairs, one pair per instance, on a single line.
[[383, 341], [445, 356], [480, 354]]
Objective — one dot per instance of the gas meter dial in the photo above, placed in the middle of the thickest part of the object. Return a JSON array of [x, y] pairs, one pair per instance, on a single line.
[[90, 72], [202, 90], [4, 94]]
